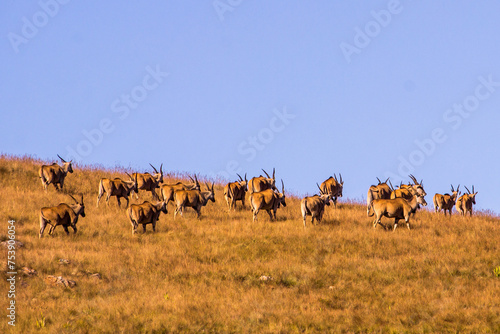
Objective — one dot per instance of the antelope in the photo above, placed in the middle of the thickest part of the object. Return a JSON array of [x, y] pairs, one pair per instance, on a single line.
[[446, 201], [261, 183], [63, 214], [333, 187], [380, 191], [314, 206], [148, 182], [418, 186], [167, 190], [268, 200], [195, 199], [145, 213], [404, 191], [117, 187], [465, 202], [397, 208], [55, 174], [236, 191], [409, 190]]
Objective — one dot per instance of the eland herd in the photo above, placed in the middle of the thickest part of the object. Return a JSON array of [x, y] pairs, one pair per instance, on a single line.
[[383, 200]]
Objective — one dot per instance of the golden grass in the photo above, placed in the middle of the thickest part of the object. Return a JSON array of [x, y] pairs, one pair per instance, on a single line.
[[204, 275]]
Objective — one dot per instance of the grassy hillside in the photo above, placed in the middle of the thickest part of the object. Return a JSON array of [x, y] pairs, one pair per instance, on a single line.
[[207, 275]]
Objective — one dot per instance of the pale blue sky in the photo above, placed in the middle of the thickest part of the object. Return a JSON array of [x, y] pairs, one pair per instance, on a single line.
[[309, 87]]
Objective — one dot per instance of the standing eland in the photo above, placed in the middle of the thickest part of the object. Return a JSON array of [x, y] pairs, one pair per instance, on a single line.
[[236, 191], [145, 213], [261, 183], [397, 208], [63, 214], [167, 190], [446, 202], [195, 199], [333, 186], [148, 182], [117, 187], [268, 200], [314, 206], [465, 202], [55, 174]]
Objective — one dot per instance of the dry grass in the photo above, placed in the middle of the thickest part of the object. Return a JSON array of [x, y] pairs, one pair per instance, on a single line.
[[204, 275]]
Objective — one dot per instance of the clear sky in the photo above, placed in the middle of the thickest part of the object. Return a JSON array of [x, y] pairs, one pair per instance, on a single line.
[[363, 88]]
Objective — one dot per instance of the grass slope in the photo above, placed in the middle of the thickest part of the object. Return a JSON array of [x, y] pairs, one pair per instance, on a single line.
[[205, 275]]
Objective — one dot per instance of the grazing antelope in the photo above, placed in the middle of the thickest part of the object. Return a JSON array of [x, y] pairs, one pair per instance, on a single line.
[[63, 214], [167, 190], [380, 191], [314, 206], [465, 202], [145, 213], [268, 200], [446, 201], [397, 208], [236, 191], [195, 199], [55, 174], [117, 187], [333, 187], [148, 182], [261, 183]]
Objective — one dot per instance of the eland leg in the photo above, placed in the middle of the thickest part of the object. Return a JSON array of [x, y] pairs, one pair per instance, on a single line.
[[255, 213], [51, 229], [395, 224], [66, 229], [43, 223]]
